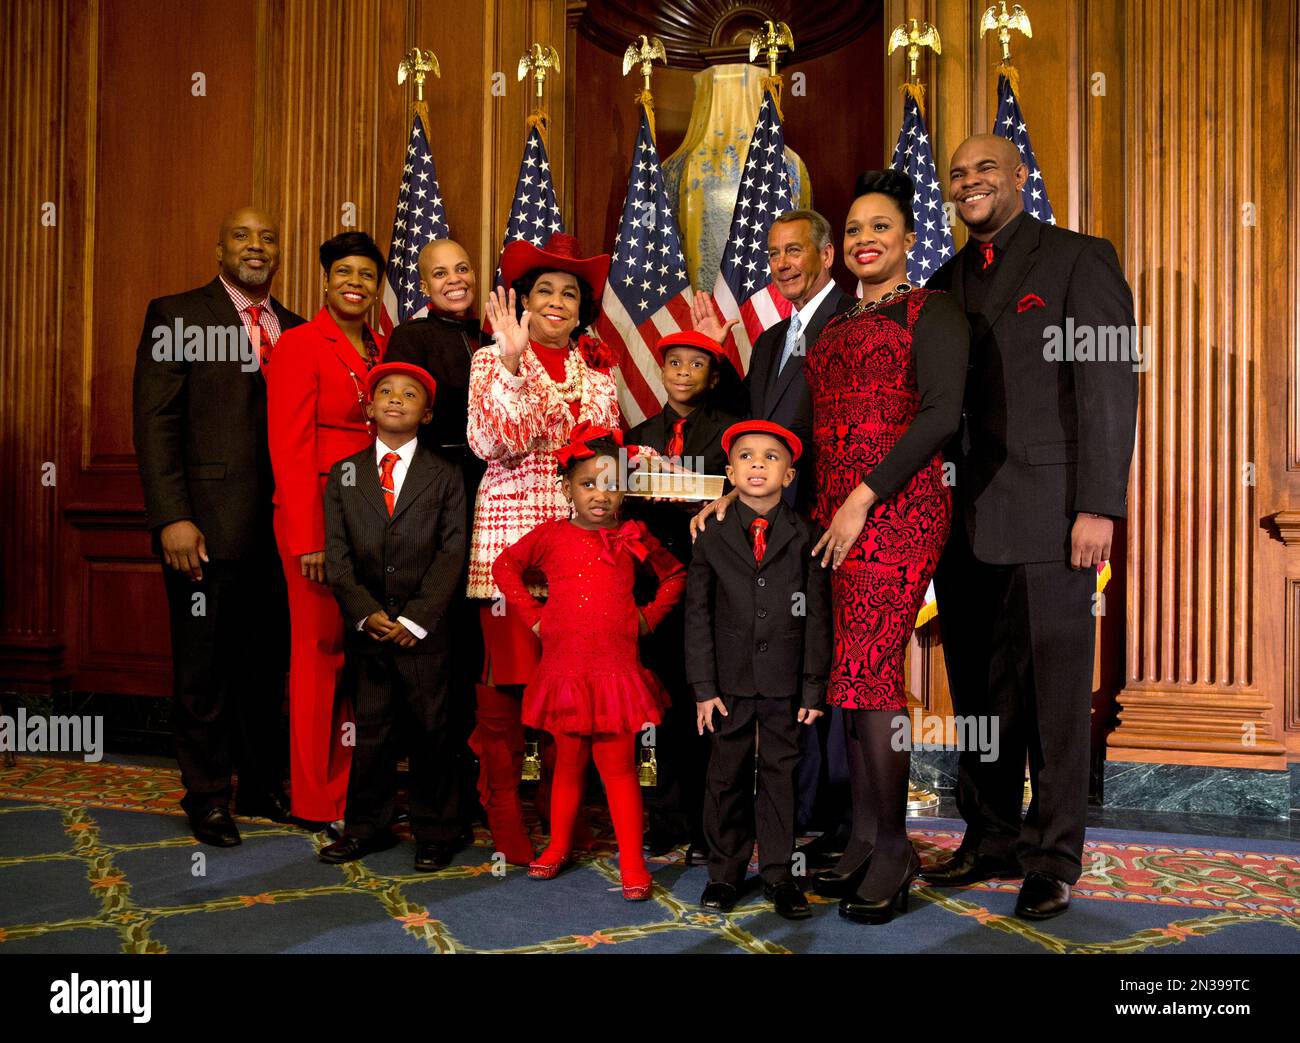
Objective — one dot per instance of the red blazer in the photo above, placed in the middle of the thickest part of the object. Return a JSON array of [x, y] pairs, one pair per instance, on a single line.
[[316, 385]]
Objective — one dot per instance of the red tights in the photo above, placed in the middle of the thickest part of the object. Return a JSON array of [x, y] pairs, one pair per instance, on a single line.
[[615, 757]]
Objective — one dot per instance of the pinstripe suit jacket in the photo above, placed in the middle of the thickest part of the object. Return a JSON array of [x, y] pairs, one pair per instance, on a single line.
[[407, 565]]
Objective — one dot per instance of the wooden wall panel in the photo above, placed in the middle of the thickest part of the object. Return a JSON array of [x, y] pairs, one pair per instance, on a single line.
[[33, 53]]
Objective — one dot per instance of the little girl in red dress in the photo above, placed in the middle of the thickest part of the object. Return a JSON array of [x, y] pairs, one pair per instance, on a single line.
[[590, 690]]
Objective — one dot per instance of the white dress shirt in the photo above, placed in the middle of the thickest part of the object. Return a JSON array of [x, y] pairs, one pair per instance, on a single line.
[[404, 455], [805, 316]]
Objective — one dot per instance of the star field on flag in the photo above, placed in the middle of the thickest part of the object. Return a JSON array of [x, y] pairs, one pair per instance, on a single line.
[[744, 287], [914, 157], [419, 219], [534, 213], [648, 295], [1010, 123]]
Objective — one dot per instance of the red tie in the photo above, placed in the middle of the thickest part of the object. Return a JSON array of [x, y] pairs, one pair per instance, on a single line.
[[261, 342], [386, 480], [987, 250], [758, 533], [677, 440]]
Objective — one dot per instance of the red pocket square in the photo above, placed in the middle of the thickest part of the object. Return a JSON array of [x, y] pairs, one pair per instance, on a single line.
[[1029, 300]]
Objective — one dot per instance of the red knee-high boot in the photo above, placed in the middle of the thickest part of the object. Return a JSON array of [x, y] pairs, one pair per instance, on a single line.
[[498, 742], [582, 840], [572, 752], [615, 758]]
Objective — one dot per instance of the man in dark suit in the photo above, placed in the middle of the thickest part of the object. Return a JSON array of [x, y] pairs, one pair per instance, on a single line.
[[800, 254], [1041, 473], [443, 344], [200, 441], [395, 553], [758, 651]]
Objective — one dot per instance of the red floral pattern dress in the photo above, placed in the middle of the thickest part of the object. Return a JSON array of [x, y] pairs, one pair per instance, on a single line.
[[862, 377], [590, 680]]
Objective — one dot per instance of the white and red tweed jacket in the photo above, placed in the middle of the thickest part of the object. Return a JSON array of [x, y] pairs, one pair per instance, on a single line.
[[516, 422]]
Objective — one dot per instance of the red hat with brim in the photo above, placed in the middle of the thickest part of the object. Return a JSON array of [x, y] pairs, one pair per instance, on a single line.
[[560, 254], [691, 339], [388, 369], [762, 427]]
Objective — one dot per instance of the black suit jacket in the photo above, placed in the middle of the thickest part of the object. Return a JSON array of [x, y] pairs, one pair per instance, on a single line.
[[670, 523], [200, 429], [784, 398], [407, 565], [745, 633], [1042, 439]]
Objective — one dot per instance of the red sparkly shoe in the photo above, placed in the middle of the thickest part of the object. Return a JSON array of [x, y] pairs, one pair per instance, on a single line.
[[546, 868], [638, 891]]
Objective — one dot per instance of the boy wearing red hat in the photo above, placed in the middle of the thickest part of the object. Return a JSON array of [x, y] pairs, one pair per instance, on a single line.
[[394, 550], [758, 652], [689, 431]]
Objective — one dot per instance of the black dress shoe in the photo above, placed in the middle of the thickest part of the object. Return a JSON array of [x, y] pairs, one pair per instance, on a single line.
[[970, 867], [429, 858], [881, 910], [829, 884], [349, 849], [697, 854], [787, 900], [719, 896], [270, 805], [216, 828], [1042, 896], [659, 841]]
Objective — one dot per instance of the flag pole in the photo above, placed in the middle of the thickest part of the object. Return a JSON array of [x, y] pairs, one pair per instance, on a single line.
[[651, 48], [539, 61], [773, 37], [418, 64], [998, 19]]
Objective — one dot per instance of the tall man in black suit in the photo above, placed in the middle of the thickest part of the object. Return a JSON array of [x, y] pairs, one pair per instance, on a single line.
[[799, 254], [200, 442], [1041, 474], [443, 344]]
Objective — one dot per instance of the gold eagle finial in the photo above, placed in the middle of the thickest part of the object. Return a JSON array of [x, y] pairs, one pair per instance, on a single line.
[[418, 63], [539, 61], [1004, 23], [774, 36], [914, 36], [651, 48]]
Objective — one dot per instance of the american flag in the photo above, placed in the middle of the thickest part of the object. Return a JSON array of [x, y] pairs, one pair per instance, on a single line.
[[914, 157], [648, 295], [744, 287], [1010, 123], [419, 219], [534, 214]]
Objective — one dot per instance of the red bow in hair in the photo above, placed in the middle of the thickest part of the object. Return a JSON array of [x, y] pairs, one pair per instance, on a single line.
[[596, 354], [583, 432], [627, 536], [1030, 300]]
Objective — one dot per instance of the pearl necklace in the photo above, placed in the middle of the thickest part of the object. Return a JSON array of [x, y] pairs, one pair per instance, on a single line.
[[575, 376], [894, 294]]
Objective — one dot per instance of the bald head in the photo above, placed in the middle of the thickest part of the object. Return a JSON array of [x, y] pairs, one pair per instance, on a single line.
[[984, 181], [447, 277], [248, 250]]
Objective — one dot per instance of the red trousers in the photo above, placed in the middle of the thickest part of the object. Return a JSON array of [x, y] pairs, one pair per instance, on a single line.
[[318, 758]]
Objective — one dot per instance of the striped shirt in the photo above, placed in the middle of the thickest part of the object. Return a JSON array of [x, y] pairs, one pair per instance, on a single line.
[[269, 320]]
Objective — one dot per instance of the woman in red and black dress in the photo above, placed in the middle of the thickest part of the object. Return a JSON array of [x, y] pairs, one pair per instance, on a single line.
[[886, 379]]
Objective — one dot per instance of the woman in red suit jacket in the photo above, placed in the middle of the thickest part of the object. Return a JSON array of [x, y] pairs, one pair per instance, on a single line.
[[316, 417]]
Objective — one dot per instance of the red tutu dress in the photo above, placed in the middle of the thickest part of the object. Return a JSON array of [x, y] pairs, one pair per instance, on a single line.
[[590, 680]]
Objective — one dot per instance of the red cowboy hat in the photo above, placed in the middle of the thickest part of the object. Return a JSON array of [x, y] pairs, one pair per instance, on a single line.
[[762, 427], [407, 369], [561, 254]]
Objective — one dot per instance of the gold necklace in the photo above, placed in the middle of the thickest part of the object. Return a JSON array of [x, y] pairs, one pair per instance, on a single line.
[[891, 295]]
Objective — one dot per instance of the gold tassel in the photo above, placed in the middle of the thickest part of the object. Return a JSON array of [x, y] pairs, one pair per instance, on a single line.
[[773, 84], [538, 118], [646, 100], [917, 91], [532, 763], [1012, 75], [647, 772]]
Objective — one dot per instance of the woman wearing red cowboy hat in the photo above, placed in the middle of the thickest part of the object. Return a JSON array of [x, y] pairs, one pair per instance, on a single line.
[[526, 394]]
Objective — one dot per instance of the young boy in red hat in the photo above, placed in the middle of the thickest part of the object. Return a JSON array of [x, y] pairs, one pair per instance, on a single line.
[[394, 550], [758, 652], [688, 430]]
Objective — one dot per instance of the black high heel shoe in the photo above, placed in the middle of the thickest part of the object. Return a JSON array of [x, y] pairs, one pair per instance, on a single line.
[[882, 910], [830, 884]]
